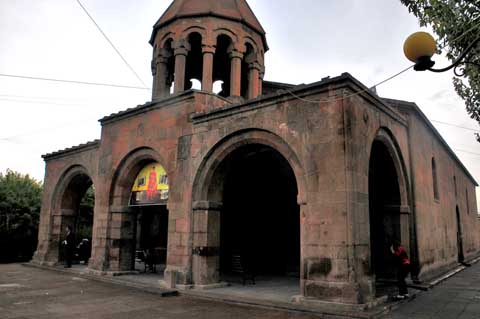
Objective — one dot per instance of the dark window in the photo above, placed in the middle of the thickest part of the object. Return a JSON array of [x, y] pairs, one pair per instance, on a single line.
[[468, 203], [455, 185], [435, 180]]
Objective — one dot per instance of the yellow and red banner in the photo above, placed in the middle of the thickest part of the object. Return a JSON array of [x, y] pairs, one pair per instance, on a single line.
[[150, 186]]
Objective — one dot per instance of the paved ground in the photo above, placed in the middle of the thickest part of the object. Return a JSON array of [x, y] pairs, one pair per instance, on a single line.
[[27, 292], [455, 298], [35, 293]]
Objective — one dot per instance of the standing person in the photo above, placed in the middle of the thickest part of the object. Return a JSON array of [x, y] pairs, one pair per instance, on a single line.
[[69, 245], [403, 267]]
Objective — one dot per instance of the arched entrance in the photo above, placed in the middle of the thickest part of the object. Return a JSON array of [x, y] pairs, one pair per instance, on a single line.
[[388, 210], [260, 219], [246, 214], [139, 215], [75, 209], [148, 202]]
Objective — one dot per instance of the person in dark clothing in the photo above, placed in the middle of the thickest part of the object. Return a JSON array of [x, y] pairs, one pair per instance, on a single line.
[[403, 268], [84, 250], [69, 246]]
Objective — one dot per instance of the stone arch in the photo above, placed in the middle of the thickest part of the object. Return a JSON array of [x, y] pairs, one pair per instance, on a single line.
[[121, 232], [226, 32], [161, 41], [65, 202], [194, 29], [208, 194], [385, 136], [389, 202], [228, 144], [252, 42], [126, 172]]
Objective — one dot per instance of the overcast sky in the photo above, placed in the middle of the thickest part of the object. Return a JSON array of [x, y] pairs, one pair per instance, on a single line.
[[308, 39]]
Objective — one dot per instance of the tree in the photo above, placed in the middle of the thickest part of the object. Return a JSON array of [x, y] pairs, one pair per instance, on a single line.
[[457, 25], [20, 201]]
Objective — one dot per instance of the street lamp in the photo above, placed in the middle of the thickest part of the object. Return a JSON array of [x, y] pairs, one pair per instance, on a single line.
[[421, 46]]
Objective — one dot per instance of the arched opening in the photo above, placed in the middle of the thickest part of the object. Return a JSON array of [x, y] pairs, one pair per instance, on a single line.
[[385, 219], [76, 211], [168, 52], [436, 196], [455, 185], [461, 256], [248, 57], [194, 66], [139, 193], [259, 224], [148, 201], [222, 64]]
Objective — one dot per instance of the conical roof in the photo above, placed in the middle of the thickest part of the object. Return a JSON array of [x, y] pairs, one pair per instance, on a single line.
[[236, 10]]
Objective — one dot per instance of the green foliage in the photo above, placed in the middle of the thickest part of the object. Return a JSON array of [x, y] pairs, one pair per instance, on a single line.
[[20, 200], [457, 25]]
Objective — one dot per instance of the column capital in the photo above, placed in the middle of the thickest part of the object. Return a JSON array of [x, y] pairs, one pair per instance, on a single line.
[[180, 51], [235, 54], [255, 65], [209, 49]]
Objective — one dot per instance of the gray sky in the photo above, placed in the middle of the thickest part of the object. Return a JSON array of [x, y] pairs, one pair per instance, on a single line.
[[308, 39]]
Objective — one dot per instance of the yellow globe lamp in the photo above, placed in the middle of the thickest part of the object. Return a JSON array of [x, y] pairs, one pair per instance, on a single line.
[[419, 48]]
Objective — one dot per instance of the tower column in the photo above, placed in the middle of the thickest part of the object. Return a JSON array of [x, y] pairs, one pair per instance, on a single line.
[[236, 73], [180, 66], [261, 75], [253, 80], [160, 75], [207, 76]]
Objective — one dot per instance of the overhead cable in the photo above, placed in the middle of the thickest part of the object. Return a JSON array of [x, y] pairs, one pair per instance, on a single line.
[[111, 44]]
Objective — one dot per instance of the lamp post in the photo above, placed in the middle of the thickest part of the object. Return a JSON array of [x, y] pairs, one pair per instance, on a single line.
[[420, 48]]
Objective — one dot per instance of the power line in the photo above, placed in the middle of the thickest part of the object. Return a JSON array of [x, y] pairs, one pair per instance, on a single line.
[[468, 152], [350, 95], [454, 125], [73, 81], [46, 102], [110, 42]]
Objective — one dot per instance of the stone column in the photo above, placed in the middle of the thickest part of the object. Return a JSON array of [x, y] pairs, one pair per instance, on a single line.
[[236, 73], [121, 239], [206, 243], [180, 68], [160, 75], [253, 79], [207, 76], [260, 81]]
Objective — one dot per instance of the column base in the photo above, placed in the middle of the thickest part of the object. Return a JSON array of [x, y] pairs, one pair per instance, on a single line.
[[336, 306], [212, 286], [337, 292]]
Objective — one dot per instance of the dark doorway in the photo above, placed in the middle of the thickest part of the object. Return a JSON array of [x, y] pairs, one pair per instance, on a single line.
[[384, 201], [461, 257], [77, 207], [84, 226], [151, 238], [260, 220]]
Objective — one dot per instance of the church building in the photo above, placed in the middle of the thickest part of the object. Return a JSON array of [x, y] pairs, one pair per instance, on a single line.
[[311, 182]]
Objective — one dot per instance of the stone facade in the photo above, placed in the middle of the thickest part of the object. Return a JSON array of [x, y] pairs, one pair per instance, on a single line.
[[327, 133]]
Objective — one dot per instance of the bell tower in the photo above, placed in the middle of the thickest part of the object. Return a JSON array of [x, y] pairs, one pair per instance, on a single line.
[[209, 41]]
